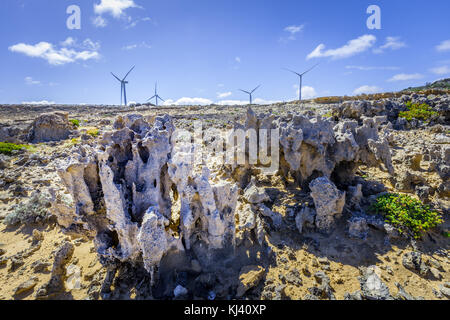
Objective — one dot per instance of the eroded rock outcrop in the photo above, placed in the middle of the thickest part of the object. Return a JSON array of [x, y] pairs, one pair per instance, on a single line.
[[144, 200], [50, 127]]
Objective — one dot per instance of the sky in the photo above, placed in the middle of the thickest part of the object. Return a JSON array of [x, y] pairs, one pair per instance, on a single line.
[[203, 51]]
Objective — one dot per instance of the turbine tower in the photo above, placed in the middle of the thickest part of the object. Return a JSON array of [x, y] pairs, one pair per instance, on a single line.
[[300, 75], [123, 83], [156, 96], [250, 93]]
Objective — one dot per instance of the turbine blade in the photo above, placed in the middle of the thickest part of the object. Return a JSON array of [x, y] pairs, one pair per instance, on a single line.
[[161, 99], [152, 98], [256, 88], [128, 73], [244, 91], [309, 69], [292, 71], [116, 77]]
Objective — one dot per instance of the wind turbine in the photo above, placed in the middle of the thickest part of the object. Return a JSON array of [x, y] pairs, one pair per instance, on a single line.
[[123, 83], [156, 95], [300, 75], [251, 93]]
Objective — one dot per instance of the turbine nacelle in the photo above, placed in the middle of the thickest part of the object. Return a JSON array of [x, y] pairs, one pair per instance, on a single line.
[[123, 83]]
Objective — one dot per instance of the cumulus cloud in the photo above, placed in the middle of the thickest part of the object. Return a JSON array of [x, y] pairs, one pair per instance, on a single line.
[[405, 77], [292, 30], [222, 95], [143, 44], [367, 89], [188, 101], [59, 56], [441, 70], [392, 43], [352, 48], [443, 46], [30, 81], [99, 22], [245, 102], [307, 92], [370, 68], [114, 7], [43, 102]]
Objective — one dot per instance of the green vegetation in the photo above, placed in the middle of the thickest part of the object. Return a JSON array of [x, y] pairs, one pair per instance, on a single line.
[[417, 111], [408, 215], [93, 133], [33, 211], [75, 122], [8, 148], [443, 84]]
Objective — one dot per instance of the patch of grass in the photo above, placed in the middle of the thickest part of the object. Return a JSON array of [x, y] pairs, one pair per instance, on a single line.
[[33, 211], [93, 133], [75, 122], [408, 215], [417, 111], [8, 148]]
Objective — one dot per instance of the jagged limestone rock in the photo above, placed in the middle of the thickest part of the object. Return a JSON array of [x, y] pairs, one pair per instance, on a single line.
[[329, 202], [50, 127]]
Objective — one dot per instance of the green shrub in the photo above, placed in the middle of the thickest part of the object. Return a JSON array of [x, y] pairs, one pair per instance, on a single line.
[[75, 122], [33, 211], [417, 111], [8, 148], [93, 133], [408, 215]]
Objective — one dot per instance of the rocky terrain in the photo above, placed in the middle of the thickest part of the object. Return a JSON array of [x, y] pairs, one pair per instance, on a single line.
[[106, 202]]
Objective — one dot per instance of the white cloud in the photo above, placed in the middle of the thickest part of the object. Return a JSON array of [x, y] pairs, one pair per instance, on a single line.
[[367, 89], [244, 102], [370, 68], [294, 29], [30, 81], [43, 102], [88, 43], [405, 77], [188, 101], [352, 48], [61, 56], [143, 44], [100, 22], [232, 102], [392, 43], [222, 95], [114, 7], [307, 92], [441, 70], [68, 42], [443, 46], [133, 23], [237, 59]]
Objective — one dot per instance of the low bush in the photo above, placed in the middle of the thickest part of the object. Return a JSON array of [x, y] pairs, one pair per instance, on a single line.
[[417, 111], [8, 148], [75, 122], [408, 215], [93, 133], [32, 211]]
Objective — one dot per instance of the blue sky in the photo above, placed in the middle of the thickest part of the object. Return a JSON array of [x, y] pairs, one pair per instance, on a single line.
[[202, 51]]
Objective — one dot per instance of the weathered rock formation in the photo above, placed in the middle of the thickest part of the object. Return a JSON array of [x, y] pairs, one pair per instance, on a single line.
[[50, 127], [144, 200]]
